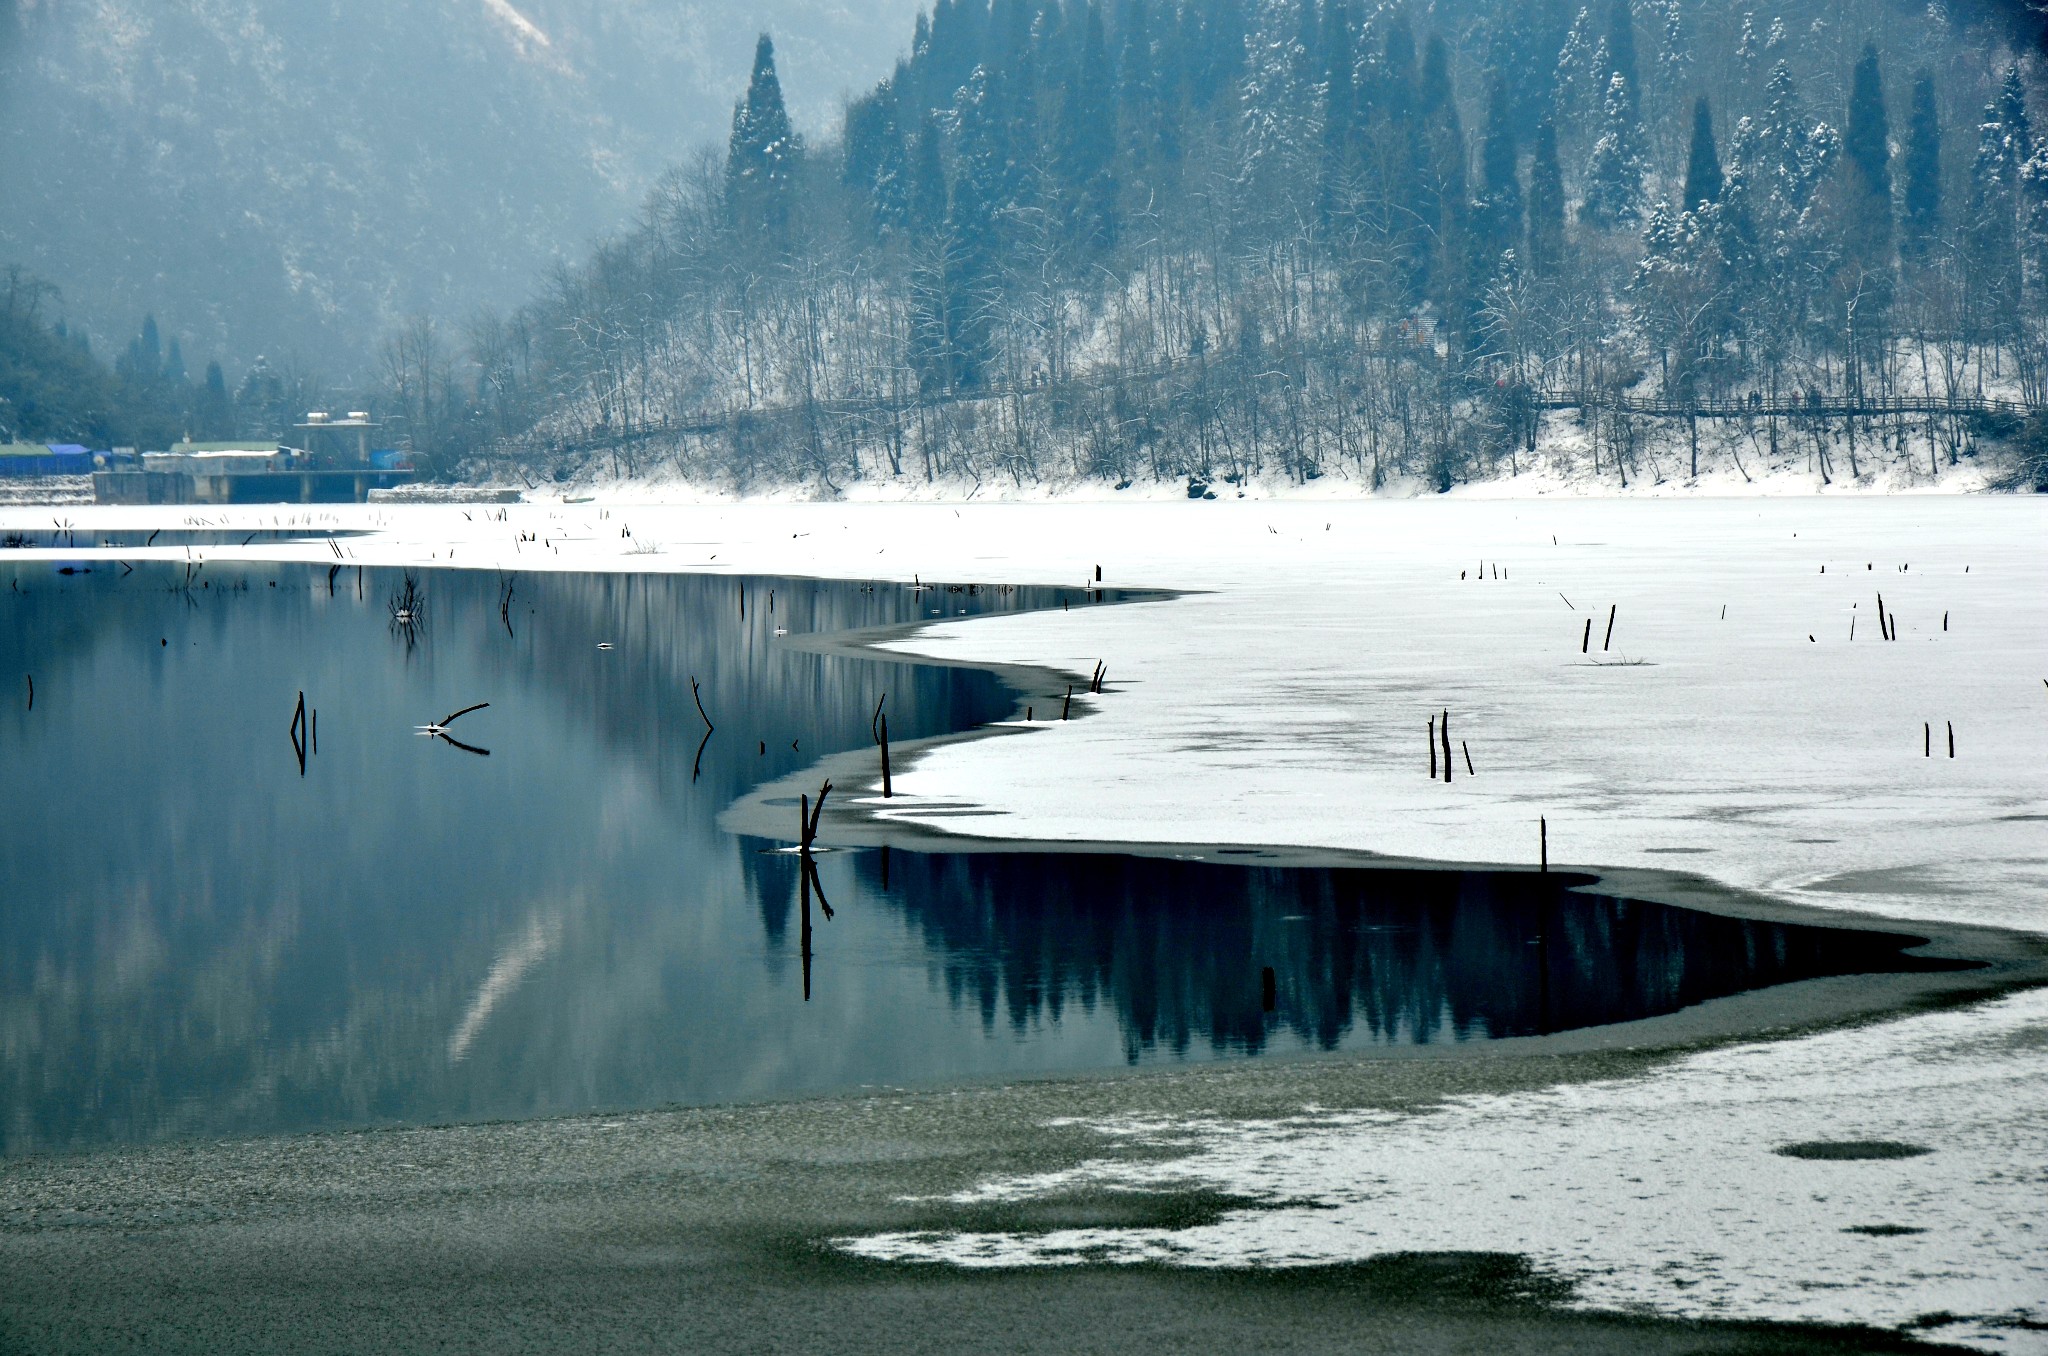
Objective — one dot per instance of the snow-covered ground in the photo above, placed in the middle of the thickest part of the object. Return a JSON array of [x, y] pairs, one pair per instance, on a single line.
[[1747, 721], [1663, 1192]]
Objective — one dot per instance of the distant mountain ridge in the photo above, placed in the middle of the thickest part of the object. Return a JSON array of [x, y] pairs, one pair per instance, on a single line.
[[292, 177]]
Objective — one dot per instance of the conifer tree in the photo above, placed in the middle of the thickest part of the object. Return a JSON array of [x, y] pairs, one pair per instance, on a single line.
[[760, 164], [1703, 164], [1137, 88], [1546, 202], [1500, 179], [1991, 247], [1577, 81], [1445, 201], [216, 416], [1921, 217], [1339, 58], [1614, 172], [874, 159], [1794, 152], [1866, 143], [1621, 59], [1223, 51], [1087, 144]]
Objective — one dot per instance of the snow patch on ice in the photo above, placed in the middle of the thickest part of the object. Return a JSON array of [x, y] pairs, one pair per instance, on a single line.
[[1664, 1191]]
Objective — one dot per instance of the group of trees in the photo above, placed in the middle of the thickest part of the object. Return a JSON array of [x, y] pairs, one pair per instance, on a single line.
[[1215, 238], [53, 388]]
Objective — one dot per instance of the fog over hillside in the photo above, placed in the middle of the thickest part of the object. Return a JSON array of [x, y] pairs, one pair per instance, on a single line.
[[292, 177]]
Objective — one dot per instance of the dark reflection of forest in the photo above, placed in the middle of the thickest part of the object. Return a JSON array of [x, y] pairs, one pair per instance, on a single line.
[[1177, 949]]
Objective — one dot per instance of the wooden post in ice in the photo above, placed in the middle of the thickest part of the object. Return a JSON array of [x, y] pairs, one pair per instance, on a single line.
[[1609, 640], [1445, 730], [1067, 705], [1586, 641], [1542, 843], [1269, 990], [1432, 748], [887, 789], [1951, 739]]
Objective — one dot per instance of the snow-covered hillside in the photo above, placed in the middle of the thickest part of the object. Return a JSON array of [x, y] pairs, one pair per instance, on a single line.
[[290, 178]]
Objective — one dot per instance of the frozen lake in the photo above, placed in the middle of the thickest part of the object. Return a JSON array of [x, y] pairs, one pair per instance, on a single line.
[[201, 936]]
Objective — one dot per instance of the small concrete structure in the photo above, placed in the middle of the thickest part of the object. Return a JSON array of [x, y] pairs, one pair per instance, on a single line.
[[261, 473]]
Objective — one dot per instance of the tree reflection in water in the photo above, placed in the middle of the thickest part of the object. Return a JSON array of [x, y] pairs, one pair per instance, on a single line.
[[1176, 947]]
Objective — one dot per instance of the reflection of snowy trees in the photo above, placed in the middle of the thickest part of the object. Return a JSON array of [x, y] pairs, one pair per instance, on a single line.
[[1175, 949]]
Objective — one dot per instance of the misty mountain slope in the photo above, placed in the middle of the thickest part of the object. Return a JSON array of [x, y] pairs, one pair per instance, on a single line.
[[292, 176]]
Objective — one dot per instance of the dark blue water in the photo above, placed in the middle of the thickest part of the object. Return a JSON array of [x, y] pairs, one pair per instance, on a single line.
[[201, 935]]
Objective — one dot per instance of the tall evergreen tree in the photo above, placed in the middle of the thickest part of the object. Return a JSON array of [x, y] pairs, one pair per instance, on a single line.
[[1703, 164], [1339, 55], [874, 160], [761, 158], [1921, 217], [1137, 88], [1546, 202], [925, 204], [1621, 59], [1991, 254], [1866, 143], [1445, 200], [1499, 177], [1614, 172], [1087, 142], [1223, 51], [1576, 81], [215, 415]]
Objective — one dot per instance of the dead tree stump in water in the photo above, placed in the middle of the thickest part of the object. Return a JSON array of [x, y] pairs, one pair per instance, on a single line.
[[888, 789]]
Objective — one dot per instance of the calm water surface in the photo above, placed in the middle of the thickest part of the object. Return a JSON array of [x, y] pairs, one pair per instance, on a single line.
[[198, 937]]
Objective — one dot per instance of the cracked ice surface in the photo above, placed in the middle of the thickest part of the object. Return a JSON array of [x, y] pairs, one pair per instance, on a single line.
[[1661, 1190]]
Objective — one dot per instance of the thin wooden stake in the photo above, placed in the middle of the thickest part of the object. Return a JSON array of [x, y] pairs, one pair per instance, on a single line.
[[1067, 705], [1609, 640], [1586, 641], [1269, 990], [1542, 843], [1468, 758], [1926, 739], [887, 789], [1951, 739], [1432, 748], [1445, 730]]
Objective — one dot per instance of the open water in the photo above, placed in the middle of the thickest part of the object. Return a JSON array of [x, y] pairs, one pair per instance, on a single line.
[[205, 933]]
